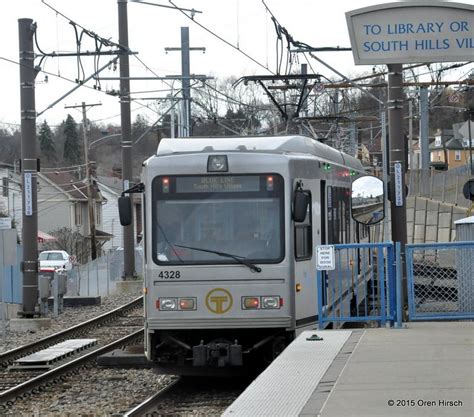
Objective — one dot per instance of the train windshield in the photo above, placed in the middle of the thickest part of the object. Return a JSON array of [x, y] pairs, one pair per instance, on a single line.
[[239, 215]]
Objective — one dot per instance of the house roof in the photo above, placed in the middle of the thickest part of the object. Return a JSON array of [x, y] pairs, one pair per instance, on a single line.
[[454, 144], [449, 144], [70, 184], [113, 183]]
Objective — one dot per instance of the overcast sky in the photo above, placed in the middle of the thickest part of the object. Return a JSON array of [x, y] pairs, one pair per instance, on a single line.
[[240, 22]]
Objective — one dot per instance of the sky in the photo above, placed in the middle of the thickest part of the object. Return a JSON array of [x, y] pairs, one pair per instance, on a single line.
[[245, 23]]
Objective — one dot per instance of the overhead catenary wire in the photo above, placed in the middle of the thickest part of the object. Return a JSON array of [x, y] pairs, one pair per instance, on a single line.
[[221, 39]]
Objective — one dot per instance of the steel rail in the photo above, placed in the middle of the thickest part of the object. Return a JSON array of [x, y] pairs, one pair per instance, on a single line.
[[61, 372], [6, 358], [150, 403]]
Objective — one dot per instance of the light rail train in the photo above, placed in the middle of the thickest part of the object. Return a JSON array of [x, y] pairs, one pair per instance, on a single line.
[[230, 228]]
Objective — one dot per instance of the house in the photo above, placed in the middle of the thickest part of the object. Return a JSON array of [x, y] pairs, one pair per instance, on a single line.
[[63, 203], [449, 150], [10, 195], [111, 189]]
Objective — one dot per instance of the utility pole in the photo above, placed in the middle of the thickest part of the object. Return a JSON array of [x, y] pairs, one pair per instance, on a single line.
[[90, 197], [185, 72], [125, 119], [29, 169], [424, 125], [397, 162]]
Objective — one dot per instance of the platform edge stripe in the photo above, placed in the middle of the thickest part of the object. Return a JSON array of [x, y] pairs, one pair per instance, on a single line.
[[286, 385]]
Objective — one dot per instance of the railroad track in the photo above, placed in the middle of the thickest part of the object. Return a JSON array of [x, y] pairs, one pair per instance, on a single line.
[[191, 396], [7, 358], [122, 331]]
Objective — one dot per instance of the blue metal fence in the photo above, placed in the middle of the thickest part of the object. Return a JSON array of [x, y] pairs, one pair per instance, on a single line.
[[362, 287], [12, 291], [440, 279]]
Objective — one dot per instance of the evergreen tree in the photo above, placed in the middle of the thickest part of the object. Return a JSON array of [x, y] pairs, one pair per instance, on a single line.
[[139, 126], [46, 142], [72, 150]]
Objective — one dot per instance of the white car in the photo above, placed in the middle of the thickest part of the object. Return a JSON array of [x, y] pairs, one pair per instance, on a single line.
[[57, 259]]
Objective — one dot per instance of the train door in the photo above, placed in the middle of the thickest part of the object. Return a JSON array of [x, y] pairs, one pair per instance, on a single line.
[[305, 237], [323, 211]]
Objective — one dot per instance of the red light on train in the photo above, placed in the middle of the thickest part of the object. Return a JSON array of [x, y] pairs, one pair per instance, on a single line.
[[269, 183], [166, 185]]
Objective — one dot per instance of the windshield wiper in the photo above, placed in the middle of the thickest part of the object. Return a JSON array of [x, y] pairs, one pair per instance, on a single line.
[[239, 259]]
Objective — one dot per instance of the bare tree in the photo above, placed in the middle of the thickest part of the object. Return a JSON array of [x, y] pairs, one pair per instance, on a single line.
[[70, 241]]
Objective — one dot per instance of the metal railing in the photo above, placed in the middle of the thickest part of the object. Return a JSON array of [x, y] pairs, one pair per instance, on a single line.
[[440, 281], [361, 288]]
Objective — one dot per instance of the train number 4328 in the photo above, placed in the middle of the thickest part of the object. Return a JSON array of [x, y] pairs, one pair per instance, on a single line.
[[169, 275]]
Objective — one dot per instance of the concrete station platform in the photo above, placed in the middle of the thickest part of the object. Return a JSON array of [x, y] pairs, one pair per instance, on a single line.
[[425, 369]]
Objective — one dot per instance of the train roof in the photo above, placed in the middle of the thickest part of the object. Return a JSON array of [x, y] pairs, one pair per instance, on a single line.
[[267, 144]]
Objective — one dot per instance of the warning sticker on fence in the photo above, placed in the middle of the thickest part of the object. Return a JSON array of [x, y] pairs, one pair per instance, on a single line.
[[325, 258]]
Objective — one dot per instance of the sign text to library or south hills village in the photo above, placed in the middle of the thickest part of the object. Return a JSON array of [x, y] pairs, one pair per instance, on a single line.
[[415, 31]]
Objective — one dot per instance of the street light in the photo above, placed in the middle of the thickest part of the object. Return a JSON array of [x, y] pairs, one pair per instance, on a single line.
[[103, 138]]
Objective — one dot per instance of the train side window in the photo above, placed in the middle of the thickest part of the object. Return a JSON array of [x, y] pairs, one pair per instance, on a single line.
[[338, 215], [304, 235]]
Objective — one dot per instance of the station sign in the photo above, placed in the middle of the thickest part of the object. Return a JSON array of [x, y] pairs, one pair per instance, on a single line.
[[28, 196], [325, 258], [397, 167], [408, 32]]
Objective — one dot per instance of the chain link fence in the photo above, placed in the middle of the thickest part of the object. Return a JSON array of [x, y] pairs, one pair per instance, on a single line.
[[100, 276], [440, 281]]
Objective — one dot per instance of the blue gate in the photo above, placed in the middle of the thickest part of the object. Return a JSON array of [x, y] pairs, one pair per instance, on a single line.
[[440, 279], [362, 287]]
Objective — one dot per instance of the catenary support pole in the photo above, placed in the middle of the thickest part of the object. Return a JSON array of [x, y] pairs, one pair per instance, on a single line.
[[397, 147], [184, 113], [29, 166], [125, 117], [186, 81]]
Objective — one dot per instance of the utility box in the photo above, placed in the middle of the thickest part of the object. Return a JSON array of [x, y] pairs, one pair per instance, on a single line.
[[45, 277], [52, 283], [44, 285], [465, 264]]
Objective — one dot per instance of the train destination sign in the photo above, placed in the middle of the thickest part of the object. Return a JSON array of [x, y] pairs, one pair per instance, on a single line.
[[209, 184], [416, 31]]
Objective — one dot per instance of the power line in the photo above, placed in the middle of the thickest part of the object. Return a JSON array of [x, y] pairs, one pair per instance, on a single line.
[[220, 38]]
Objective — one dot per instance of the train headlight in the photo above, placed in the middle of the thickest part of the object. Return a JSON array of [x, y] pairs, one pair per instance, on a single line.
[[270, 302], [168, 304], [187, 303], [250, 303]]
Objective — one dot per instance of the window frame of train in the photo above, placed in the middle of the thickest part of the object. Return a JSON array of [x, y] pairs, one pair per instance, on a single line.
[[188, 188], [338, 214], [304, 233]]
